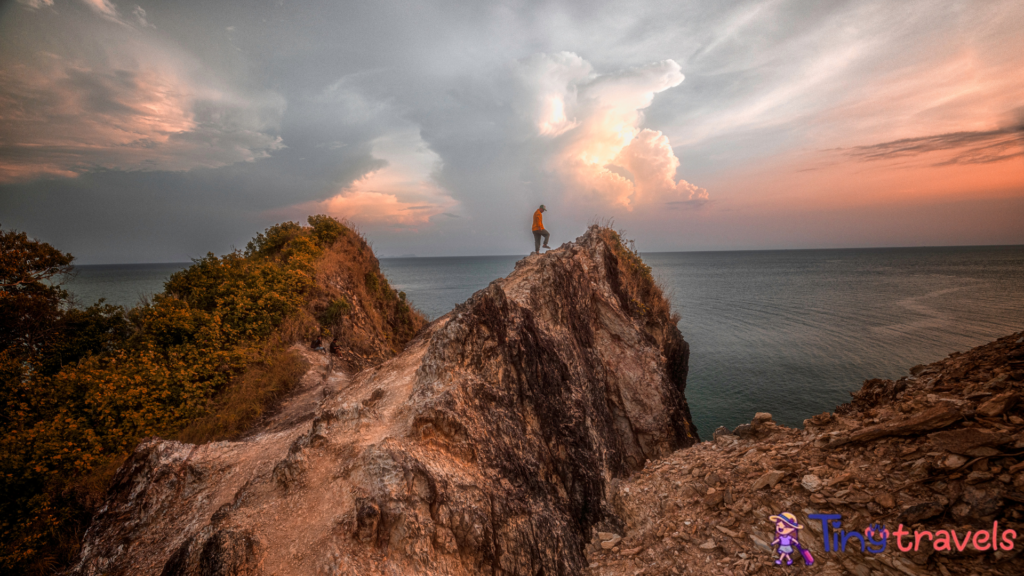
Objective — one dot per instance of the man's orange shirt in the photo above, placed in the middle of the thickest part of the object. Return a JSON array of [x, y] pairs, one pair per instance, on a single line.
[[538, 221]]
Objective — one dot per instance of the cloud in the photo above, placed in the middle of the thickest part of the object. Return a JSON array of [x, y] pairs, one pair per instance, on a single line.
[[578, 126], [36, 4], [984, 147], [108, 10], [549, 96], [651, 162], [104, 8], [400, 192], [140, 17], [601, 152], [64, 115], [365, 207]]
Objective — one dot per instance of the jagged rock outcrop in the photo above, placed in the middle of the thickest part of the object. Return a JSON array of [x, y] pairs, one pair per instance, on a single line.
[[491, 445], [940, 449]]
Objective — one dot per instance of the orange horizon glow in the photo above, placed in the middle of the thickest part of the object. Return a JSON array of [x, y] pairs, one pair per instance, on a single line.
[[821, 181]]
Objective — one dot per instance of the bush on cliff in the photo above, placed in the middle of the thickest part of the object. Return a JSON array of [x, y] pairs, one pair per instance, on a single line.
[[203, 361], [642, 294]]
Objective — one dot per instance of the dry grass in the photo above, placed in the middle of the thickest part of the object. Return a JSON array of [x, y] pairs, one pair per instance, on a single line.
[[299, 327], [248, 396], [646, 298], [356, 304]]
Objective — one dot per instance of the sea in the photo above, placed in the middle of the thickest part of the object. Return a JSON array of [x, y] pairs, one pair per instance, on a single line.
[[790, 332]]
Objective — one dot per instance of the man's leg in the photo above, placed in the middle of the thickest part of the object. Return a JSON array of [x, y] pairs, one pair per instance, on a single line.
[[536, 241], [546, 236]]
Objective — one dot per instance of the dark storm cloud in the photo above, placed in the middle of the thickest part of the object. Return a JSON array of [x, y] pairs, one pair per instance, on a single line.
[[116, 216]]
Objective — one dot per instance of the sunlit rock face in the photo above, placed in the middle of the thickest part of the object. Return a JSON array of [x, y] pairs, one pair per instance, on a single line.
[[492, 445]]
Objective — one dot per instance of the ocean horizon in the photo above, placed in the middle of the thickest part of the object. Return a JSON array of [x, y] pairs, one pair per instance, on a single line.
[[790, 332]]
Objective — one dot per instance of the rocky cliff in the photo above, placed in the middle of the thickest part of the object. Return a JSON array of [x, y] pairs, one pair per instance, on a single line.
[[941, 449], [492, 445]]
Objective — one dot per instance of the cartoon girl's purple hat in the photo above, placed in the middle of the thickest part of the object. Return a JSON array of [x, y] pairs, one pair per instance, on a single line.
[[787, 519]]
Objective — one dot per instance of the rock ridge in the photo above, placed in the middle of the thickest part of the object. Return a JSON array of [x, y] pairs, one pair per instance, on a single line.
[[492, 445]]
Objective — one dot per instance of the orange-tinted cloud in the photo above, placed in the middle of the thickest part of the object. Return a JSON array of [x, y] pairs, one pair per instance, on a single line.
[[653, 164], [379, 208], [601, 152], [401, 193], [983, 147], [389, 197], [969, 91], [139, 107], [103, 7]]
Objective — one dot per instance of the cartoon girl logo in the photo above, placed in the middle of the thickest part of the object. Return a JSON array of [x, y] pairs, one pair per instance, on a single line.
[[787, 536]]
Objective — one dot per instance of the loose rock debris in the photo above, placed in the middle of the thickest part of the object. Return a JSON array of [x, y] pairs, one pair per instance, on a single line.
[[940, 449]]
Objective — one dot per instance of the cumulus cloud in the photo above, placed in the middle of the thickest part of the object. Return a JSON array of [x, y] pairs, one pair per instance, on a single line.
[[652, 163], [64, 115], [400, 192], [550, 94], [601, 152]]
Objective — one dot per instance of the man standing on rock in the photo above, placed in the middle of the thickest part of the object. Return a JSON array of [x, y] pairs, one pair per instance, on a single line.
[[538, 230]]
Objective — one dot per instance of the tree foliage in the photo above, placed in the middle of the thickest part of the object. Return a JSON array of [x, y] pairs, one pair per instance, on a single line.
[[29, 306], [80, 387]]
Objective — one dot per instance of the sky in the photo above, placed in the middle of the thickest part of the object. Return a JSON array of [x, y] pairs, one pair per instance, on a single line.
[[145, 131]]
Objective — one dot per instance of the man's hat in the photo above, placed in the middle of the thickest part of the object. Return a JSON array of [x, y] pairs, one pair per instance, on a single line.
[[542, 207], [787, 519]]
